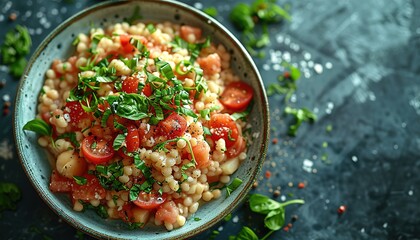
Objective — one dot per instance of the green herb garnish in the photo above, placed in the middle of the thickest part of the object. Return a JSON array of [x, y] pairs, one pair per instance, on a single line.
[[80, 180], [211, 11], [260, 13], [233, 186], [10, 194], [38, 126], [300, 115], [17, 44], [100, 209], [274, 211]]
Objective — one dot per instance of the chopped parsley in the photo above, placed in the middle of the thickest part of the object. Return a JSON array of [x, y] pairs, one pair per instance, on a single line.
[[259, 13], [17, 44], [10, 194], [300, 115]]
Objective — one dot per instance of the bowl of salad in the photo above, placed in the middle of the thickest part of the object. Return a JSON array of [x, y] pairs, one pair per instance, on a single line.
[[141, 119]]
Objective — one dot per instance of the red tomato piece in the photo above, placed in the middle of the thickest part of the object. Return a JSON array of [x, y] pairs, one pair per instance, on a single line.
[[190, 34], [60, 183], [237, 96], [125, 44], [149, 200], [130, 84], [147, 90], [126, 212], [132, 140], [223, 126], [201, 153], [173, 126], [97, 151], [74, 113], [211, 64], [236, 148], [167, 212], [92, 190]]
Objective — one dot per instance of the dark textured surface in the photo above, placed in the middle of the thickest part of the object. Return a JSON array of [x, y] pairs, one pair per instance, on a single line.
[[360, 62]]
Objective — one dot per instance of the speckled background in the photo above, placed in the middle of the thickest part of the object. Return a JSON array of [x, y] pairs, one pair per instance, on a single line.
[[360, 63]]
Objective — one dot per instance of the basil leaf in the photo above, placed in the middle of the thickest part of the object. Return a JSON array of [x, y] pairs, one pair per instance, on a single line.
[[275, 219], [246, 233], [80, 180], [134, 192], [118, 142], [131, 106], [165, 69], [151, 28], [241, 16], [9, 196], [262, 204], [39, 126], [233, 186]]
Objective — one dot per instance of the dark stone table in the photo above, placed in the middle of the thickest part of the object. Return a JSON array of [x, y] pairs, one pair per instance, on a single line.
[[360, 64]]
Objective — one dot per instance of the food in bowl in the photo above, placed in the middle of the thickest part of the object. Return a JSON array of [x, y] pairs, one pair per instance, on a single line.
[[143, 121]]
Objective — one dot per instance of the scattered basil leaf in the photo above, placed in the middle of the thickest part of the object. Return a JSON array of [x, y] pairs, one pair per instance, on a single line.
[[211, 11], [38, 126]]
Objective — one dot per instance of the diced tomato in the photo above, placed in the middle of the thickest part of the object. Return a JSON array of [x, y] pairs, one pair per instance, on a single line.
[[223, 126], [167, 212], [97, 151], [173, 126], [149, 200], [60, 183], [125, 44], [147, 90], [210, 64], [132, 140], [146, 132], [237, 96], [202, 154], [236, 148], [92, 190], [130, 84], [126, 213], [186, 31], [74, 113]]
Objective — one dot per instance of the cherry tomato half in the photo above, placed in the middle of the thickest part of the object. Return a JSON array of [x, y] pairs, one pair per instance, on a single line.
[[223, 126], [132, 140], [236, 96], [97, 151], [149, 200], [173, 126]]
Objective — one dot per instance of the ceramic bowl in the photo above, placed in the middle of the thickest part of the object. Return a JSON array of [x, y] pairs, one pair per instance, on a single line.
[[58, 45]]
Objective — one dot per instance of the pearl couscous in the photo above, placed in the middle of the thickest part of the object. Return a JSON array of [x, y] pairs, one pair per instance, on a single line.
[[142, 122]]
